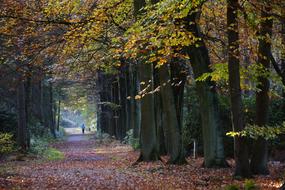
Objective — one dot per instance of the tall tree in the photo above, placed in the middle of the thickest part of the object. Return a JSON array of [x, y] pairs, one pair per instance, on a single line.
[[259, 158], [22, 132], [148, 138], [171, 124], [241, 149], [208, 100], [283, 50]]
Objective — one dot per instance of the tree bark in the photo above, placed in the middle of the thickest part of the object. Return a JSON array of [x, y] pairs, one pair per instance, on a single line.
[[22, 130], [123, 104], [28, 109], [171, 124], [178, 80], [58, 114], [134, 104], [209, 106], [159, 114], [148, 139], [51, 112], [259, 157], [116, 112], [36, 100], [283, 52], [241, 149]]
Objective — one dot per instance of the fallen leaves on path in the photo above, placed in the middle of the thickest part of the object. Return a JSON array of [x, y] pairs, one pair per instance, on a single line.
[[108, 165]]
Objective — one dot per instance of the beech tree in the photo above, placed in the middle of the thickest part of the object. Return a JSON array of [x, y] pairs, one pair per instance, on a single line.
[[241, 149], [259, 158], [148, 138]]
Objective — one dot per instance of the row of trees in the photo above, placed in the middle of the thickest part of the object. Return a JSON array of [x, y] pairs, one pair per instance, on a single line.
[[135, 59]]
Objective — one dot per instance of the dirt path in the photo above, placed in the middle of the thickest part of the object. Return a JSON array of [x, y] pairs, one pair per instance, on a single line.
[[89, 164], [78, 137], [86, 166]]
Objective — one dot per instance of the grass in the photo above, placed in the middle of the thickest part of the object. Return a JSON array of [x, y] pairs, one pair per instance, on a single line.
[[53, 154]]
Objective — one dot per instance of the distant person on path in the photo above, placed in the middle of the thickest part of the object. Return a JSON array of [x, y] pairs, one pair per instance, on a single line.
[[83, 128]]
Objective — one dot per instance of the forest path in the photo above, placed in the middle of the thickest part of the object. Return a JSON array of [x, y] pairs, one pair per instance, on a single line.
[[107, 164], [78, 137], [88, 164]]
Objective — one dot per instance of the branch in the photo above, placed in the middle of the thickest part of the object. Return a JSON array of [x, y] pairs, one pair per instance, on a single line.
[[116, 24], [63, 22], [276, 67]]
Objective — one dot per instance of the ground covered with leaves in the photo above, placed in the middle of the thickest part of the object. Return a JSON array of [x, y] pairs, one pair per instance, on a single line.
[[95, 164]]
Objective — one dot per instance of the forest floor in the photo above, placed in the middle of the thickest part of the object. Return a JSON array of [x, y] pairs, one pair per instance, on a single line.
[[107, 164]]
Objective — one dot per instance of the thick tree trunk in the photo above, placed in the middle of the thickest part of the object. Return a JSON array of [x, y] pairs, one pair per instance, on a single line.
[[178, 79], [283, 52], [148, 137], [171, 124], [259, 157], [209, 106], [22, 131], [241, 148], [159, 114]]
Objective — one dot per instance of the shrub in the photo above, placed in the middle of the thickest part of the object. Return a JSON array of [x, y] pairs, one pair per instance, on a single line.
[[249, 185], [38, 130], [8, 123], [6, 143], [232, 187], [129, 139], [38, 145]]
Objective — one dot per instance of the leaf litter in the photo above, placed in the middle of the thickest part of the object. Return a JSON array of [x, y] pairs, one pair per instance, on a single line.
[[94, 164]]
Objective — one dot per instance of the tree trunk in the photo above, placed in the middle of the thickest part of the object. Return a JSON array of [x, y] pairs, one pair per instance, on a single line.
[[58, 114], [209, 106], [241, 149], [178, 79], [36, 100], [28, 109], [148, 137], [134, 107], [283, 52], [259, 157], [137, 104], [51, 112], [171, 124], [123, 104], [159, 114], [22, 131], [116, 112], [42, 115], [127, 94]]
